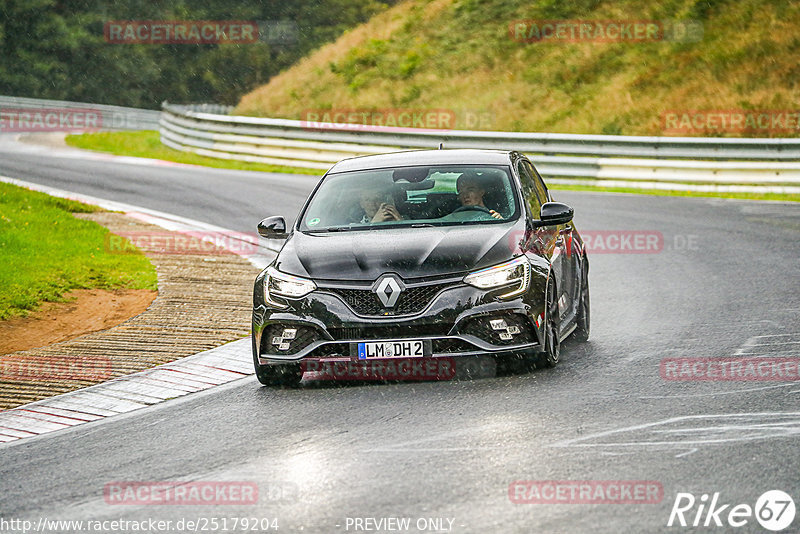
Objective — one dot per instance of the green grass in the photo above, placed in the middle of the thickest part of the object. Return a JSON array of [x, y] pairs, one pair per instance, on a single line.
[[46, 252], [147, 144], [458, 55]]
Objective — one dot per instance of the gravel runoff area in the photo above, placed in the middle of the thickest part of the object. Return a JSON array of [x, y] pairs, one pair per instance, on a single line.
[[203, 301]]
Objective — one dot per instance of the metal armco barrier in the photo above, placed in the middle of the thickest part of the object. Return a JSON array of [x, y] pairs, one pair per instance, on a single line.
[[697, 163], [112, 117], [689, 160]]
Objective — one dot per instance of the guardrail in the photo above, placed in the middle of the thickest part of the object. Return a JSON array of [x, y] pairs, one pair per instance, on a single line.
[[589, 157], [112, 117]]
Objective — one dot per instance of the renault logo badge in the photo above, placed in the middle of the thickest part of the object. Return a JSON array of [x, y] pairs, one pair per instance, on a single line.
[[388, 289]]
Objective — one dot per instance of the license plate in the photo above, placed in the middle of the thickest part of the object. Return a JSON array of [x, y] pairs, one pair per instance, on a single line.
[[376, 350]]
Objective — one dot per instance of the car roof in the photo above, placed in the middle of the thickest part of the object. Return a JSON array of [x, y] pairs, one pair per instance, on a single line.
[[410, 158]]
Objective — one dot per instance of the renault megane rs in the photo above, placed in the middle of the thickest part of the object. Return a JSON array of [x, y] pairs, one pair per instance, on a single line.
[[421, 254]]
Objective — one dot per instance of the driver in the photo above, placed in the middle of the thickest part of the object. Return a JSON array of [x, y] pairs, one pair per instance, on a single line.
[[471, 192]]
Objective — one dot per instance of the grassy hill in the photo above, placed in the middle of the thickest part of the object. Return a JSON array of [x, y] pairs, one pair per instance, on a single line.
[[459, 55]]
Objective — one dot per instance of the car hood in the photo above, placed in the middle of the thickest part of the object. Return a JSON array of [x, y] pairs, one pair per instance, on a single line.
[[408, 252]]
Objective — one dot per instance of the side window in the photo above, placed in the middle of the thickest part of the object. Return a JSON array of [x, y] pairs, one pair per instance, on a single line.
[[529, 189], [538, 183]]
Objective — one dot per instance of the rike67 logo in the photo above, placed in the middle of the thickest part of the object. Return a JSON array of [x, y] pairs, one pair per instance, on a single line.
[[774, 510]]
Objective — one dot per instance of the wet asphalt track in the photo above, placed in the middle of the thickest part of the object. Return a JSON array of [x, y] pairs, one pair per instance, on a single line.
[[726, 282]]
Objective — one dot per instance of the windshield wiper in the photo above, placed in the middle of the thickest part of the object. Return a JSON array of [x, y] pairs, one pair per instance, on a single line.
[[422, 225], [331, 229]]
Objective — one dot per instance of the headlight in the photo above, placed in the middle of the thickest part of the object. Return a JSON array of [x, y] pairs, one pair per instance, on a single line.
[[515, 273], [281, 284]]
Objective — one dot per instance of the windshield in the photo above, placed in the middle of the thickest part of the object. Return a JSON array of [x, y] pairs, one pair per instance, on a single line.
[[412, 196]]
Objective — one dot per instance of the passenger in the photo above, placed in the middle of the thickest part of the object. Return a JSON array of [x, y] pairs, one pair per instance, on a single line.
[[471, 192], [378, 206]]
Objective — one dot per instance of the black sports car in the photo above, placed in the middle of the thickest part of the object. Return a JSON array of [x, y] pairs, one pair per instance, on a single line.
[[421, 254]]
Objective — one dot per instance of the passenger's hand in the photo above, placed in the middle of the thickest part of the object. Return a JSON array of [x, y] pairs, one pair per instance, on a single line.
[[495, 214], [387, 212]]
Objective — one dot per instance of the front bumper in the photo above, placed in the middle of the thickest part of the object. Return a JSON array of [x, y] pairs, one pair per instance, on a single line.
[[456, 322]]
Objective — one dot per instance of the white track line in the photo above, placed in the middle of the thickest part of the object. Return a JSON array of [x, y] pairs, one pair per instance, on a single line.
[[705, 434]]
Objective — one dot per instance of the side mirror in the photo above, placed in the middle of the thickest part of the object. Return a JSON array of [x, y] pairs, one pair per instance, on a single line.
[[554, 213], [273, 228]]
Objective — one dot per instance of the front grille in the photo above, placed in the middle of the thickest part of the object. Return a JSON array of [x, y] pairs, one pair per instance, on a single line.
[[412, 300], [273, 337], [389, 332], [450, 346], [329, 350], [481, 328]]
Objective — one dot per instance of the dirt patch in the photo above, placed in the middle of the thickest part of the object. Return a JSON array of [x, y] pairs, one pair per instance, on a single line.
[[87, 310], [49, 139]]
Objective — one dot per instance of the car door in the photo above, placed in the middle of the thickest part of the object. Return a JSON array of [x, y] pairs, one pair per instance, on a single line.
[[563, 248], [540, 240]]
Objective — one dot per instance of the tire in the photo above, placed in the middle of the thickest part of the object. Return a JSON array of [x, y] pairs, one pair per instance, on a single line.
[[288, 375], [583, 320], [552, 346]]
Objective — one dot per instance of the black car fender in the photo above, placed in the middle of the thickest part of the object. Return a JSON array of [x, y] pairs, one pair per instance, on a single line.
[[541, 273]]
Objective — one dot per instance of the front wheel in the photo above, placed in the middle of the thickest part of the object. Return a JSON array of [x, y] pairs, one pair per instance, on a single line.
[[288, 375], [552, 346]]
